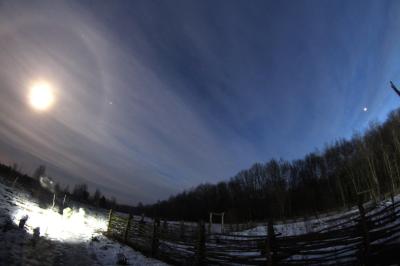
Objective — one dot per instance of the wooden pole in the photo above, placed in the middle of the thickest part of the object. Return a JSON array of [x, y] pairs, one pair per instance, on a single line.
[[54, 200], [201, 245], [109, 221], [222, 222], [364, 232], [270, 245], [393, 205], [128, 224], [65, 197], [210, 223], [182, 229], [155, 240]]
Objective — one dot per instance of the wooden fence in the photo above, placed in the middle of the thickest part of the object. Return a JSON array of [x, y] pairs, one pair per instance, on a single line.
[[365, 238]]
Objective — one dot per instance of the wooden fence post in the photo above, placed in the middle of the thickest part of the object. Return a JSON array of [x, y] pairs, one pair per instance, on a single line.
[[210, 223], [109, 221], [165, 225], [393, 206], [155, 240], [182, 229], [201, 244], [128, 224], [270, 245], [141, 227], [364, 232], [222, 223]]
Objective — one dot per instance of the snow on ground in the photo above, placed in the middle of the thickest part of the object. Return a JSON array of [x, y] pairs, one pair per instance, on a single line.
[[305, 226], [298, 227], [74, 239], [103, 247]]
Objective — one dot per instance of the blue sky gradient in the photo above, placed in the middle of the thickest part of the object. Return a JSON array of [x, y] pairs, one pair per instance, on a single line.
[[199, 89]]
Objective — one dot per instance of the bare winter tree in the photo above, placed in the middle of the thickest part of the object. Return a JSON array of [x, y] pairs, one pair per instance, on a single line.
[[96, 197], [40, 171], [395, 88]]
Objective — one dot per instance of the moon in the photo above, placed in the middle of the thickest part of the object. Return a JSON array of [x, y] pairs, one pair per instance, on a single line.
[[41, 95]]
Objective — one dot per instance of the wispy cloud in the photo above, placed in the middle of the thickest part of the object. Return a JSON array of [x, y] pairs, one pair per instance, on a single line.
[[148, 143], [198, 90]]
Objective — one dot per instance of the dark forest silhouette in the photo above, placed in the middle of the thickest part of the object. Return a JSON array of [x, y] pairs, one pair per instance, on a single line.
[[365, 166]]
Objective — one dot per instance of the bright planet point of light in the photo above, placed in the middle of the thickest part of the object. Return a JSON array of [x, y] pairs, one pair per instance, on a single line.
[[41, 95], [365, 109]]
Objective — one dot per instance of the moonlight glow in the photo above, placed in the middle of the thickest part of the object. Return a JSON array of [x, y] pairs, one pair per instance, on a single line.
[[41, 96]]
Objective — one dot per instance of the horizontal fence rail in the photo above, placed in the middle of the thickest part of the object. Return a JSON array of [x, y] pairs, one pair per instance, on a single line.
[[361, 238]]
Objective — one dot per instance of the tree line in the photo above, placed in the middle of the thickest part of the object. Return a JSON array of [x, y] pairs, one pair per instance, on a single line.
[[363, 167], [44, 192]]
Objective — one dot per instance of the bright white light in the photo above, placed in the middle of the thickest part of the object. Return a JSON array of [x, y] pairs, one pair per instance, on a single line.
[[365, 109], [73, 226], [41, 95]]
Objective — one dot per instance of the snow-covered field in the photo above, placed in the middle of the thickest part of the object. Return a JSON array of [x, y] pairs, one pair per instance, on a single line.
[[74, 239], [311, 225]]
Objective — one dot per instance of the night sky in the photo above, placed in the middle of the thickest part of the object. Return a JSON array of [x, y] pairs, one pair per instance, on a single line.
[[153, 97]]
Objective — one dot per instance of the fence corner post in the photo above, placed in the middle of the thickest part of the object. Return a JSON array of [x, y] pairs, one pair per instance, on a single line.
[[270, 244], [365, 234], [182, 229], [201, 244], [128, 224], [155, 240], [109, 221], [393, 205]]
